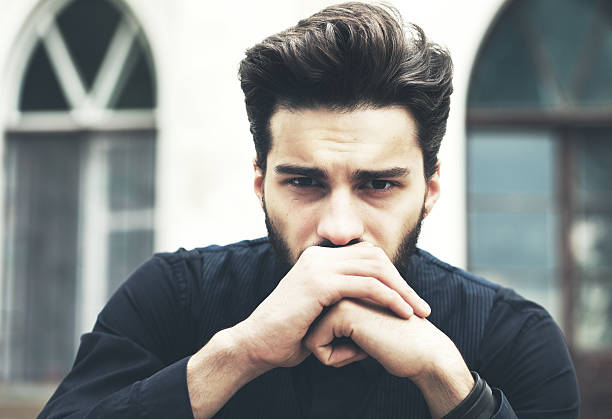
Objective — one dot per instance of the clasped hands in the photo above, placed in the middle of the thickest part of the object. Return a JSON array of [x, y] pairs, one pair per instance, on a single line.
[[353, 292], [367, 301]]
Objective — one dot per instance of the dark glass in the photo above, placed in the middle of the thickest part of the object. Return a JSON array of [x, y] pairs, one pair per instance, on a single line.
[[88, 27], [506, 240], [42, 204], [598, 86], [592, 238], [562, 36], [131, 170], [138, 89], [512, 215], [40, 89], [505, 74], [511, 163], [127, 250]]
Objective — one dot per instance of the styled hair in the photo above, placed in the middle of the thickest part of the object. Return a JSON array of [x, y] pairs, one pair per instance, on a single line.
[[347, 57]]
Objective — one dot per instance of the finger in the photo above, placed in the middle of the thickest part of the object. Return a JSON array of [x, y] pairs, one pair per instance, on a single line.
[[381, 268], [322, 340], [363, 287], [360, 356], [339, 353]]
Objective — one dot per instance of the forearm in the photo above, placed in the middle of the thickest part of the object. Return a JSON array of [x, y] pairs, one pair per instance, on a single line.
[[446, 383], [217, 371]]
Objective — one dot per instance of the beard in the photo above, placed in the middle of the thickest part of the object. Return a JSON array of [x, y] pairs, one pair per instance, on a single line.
[[401, 258]]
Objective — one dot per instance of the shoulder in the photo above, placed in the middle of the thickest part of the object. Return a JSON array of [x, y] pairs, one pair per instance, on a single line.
[[223, 284], [245, 249], [450, 287], [433, 268], [523, 353]]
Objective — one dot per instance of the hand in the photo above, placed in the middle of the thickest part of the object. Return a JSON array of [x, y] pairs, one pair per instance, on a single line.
[[406, 347], [321, 277]]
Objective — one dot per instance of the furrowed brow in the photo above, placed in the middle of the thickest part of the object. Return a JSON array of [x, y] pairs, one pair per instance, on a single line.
[[289, 169], [391, 173]]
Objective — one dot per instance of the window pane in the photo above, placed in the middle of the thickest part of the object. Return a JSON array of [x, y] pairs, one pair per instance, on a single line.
[[40, 90], [87, 27], [127, 250], [533, 58], [592, 239], [516, 163], [137, 90], [41, 255], [598, 88], [131, 170], [512, 215], [563, 35], [507, 240], [505, 74]]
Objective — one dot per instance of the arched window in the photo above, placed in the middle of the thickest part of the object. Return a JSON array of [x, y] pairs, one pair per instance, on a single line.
[[79, 173], [540, 164]]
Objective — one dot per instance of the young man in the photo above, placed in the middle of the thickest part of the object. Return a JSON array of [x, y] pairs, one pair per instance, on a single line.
[[336, 314]]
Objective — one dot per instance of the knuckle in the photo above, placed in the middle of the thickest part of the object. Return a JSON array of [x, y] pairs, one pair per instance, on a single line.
[[309, 343], [371, 287], [377, 265], [342, 305], [324, 360]]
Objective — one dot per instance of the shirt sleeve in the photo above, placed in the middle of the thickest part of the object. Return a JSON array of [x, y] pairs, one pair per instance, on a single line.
[[526, 362], [133, 363]]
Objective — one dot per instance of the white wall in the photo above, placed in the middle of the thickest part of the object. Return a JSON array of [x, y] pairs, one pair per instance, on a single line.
[[204, 192]]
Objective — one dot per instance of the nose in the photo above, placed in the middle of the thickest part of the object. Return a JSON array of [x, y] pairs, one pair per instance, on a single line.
[[340, 222]]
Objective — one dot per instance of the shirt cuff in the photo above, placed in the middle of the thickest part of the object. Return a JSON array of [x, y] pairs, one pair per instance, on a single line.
[[479, 404], [165, 393]]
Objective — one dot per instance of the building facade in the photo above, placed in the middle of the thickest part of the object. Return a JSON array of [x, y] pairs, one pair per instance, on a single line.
[[123, 132]]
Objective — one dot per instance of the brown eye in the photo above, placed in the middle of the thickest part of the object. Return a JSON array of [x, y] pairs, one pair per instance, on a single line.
[[379, 185], [302, 182]]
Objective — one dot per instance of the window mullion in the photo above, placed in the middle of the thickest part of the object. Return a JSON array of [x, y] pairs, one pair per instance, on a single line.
[[113, 65], [64, 67]]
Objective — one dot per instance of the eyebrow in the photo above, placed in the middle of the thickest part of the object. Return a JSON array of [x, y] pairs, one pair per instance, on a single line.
[[391, 173], [358, 175], [290, 169]]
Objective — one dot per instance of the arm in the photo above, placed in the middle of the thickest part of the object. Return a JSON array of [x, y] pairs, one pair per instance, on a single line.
[[525, 360], [272, 335], [412, 348], [126, 365], [136, 361]]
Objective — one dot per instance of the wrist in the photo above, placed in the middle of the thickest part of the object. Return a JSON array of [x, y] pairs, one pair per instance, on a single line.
[[237, 345], [224, 362], [445, 382]]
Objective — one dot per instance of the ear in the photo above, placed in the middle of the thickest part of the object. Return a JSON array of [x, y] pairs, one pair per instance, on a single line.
[[258, 181], [433, 190]]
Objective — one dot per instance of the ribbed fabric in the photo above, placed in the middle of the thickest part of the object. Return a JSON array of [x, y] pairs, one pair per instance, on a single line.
[[172, 305]]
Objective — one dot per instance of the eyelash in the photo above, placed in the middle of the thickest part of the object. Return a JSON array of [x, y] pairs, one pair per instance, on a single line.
[[314, 184]]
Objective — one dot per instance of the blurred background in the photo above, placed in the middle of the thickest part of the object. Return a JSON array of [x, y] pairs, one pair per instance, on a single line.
[[123, 133]]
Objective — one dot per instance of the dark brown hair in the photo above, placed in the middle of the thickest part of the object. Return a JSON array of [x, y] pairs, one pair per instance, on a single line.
[[347, 57]]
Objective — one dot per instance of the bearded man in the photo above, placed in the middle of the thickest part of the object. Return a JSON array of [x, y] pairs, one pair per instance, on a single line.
[[336, 314]]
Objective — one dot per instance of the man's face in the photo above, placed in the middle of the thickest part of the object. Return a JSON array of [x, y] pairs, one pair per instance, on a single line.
[[337, 178]]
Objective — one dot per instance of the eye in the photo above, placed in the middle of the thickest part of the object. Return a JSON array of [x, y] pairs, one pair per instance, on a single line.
[[379, 185], [302, 182]]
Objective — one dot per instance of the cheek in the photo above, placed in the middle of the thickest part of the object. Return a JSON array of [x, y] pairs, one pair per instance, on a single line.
[[387, 226], [298, 222]]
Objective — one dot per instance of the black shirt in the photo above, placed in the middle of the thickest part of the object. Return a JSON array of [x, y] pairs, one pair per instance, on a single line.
[[133, 363]]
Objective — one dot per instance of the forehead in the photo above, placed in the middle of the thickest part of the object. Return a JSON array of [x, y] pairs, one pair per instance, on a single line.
[[367, 138]]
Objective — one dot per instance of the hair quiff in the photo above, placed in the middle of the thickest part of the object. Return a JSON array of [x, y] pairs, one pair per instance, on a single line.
[[346, 57]]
